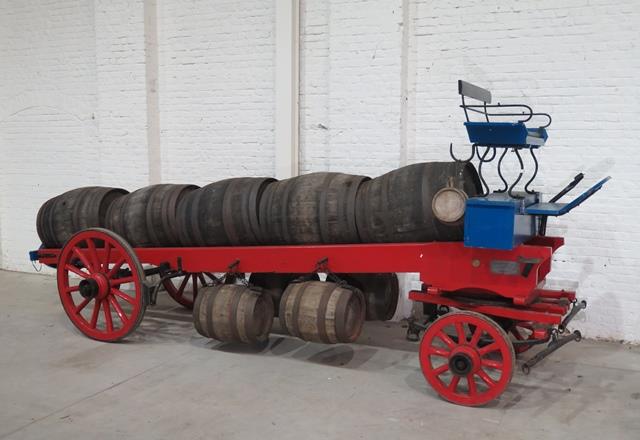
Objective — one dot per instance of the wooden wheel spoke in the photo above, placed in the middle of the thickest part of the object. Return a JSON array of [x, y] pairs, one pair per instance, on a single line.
[[70, 289], [116, 267], [475, 338], [83, 258], [116, 306], [453, 385], [75, 270], [93, 255], [462, 338], [82, 305], [471, 384], [94, 315], [107, 315], [441, 369], [107, 257], [120, 294], [494, 346], [121, 281], [195, 285], [183, 285], [485, 377], [437, 351], [490, 363], [446, 339]]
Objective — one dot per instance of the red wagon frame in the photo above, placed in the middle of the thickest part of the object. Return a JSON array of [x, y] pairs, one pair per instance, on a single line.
[[495, 292]]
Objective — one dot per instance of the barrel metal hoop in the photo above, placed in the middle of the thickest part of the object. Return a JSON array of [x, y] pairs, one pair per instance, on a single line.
[[284, 212], [235, 302], [340, 316], [322, 208], [322, 316], [210, 300], [295, 312]]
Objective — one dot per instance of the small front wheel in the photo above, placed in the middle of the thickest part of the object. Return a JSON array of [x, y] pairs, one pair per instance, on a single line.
[[101, 284], [467, 358]]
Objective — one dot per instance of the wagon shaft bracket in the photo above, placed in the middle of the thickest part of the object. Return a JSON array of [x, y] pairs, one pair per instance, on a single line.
[[414, 328], [322, 265], [574, 311], [233, 267], [555, 344]]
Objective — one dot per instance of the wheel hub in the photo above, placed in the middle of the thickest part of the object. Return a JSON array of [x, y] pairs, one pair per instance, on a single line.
[[464, 360], [460, 364], [88, 288], [95, 286]]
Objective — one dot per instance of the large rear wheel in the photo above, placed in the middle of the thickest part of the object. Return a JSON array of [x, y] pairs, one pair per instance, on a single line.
[[101, 284]]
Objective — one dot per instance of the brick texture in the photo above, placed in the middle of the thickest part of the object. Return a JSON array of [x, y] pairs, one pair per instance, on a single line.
[[216, 89]]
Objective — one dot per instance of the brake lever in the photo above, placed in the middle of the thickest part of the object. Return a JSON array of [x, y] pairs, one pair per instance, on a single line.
[[543, 222]]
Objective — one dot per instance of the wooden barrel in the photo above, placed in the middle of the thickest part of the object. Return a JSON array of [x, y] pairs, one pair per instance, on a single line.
[[147, 217], [314, 208], [380, 290], [322, 312], [273, 284], [233, 313], [162, 210], [223, 213], [399, 206], [64, 215], [241, 208]]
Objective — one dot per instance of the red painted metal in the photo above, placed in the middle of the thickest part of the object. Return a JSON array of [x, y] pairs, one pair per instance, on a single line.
[[510, 311], [525, 331], [446, 267], [467, 358]]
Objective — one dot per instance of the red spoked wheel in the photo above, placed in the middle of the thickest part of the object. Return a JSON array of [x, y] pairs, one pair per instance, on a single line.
[[185, 289], [101, 284], [467, 358]]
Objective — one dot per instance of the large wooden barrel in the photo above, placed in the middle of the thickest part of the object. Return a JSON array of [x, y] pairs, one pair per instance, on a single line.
[[273, 284], [380, 290], [399, 206], [64, 215], [223, 213], [162, 209], [241, 209], [233, 313], [313, 208], [147, 217], [322, 312]]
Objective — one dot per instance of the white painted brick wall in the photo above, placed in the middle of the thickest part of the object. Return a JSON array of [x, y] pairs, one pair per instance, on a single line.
[[120, 86], [72, 97], [73, 108], [350, 85], [48, 98], [216, 89]]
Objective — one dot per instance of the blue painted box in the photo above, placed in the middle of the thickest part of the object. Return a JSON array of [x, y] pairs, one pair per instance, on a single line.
[[498, 221]]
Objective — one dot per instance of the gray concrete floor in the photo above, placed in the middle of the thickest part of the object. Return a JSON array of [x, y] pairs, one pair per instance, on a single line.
[[167, 382]]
